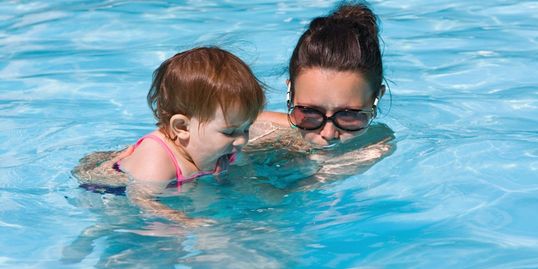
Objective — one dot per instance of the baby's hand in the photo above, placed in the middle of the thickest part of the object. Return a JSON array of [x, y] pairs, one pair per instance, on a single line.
[[180, 218], [199, 222]]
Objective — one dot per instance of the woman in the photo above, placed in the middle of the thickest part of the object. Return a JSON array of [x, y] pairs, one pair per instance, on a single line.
[[335, 84]]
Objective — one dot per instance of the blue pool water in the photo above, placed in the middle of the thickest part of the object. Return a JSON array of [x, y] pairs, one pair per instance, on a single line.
[[459, 191]]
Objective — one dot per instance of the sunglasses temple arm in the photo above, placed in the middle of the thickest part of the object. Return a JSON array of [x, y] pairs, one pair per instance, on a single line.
[[376, 101], [288, 95]]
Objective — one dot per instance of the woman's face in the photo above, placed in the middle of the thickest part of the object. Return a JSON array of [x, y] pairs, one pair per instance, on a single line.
[[330, 91]]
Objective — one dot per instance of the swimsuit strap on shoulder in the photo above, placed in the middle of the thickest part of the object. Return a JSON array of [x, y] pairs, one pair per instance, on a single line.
[[179, 175]]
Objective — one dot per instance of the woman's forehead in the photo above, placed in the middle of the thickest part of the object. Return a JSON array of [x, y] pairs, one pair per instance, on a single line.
[[323, 87]]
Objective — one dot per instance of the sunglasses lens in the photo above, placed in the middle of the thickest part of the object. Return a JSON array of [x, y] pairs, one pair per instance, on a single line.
[[352, 120], [306, 118]]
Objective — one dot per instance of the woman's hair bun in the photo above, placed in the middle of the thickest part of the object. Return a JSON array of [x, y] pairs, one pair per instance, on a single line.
[[359, 15]]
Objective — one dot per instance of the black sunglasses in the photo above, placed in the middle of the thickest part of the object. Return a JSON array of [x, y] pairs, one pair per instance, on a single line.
[[308, 118]]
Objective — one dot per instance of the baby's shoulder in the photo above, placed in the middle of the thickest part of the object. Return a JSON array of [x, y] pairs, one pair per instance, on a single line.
[[154, 159]]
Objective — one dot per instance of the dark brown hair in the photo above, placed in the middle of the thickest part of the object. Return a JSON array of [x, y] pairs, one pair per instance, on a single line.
[[346, 40], [195, 82]]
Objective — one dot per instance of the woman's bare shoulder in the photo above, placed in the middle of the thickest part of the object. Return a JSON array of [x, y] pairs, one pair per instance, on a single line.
[[277, 118], [267, 135]]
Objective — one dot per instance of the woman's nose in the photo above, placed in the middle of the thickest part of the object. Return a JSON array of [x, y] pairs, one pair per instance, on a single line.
[[329, 131]]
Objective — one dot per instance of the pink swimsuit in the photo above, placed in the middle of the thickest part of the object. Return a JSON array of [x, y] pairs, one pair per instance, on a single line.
[[180, 178]]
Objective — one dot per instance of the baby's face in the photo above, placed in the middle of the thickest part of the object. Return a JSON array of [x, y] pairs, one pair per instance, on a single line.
[[330, 91], [215, 141]]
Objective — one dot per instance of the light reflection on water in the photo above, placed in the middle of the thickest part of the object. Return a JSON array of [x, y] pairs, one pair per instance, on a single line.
[[459, 188]]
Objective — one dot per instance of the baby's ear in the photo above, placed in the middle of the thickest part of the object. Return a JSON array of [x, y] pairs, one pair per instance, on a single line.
[[179, 124]]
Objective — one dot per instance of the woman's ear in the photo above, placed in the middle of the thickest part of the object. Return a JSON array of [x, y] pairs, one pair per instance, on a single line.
[[382, 91], [179, 125]]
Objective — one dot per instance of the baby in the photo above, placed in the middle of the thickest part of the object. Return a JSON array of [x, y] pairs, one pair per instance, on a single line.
[[204, 100]]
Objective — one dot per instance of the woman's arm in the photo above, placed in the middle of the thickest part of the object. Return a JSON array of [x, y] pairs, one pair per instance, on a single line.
[[378, 143]]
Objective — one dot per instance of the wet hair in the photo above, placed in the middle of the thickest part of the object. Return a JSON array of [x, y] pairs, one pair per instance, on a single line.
[[197, 81], [346, 40]]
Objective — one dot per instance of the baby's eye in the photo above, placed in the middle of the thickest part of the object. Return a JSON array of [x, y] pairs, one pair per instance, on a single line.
[[235, 132]]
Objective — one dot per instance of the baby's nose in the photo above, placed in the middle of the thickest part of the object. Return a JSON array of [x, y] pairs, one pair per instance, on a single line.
[[240, 141]]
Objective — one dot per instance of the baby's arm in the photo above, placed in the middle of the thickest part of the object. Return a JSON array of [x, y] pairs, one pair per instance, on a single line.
[[145, 195]]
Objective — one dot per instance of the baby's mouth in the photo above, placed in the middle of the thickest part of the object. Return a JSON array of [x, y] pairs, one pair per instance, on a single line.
[[222, 164]]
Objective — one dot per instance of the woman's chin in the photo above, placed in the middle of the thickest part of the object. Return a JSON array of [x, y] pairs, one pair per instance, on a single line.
[[321, 143]]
